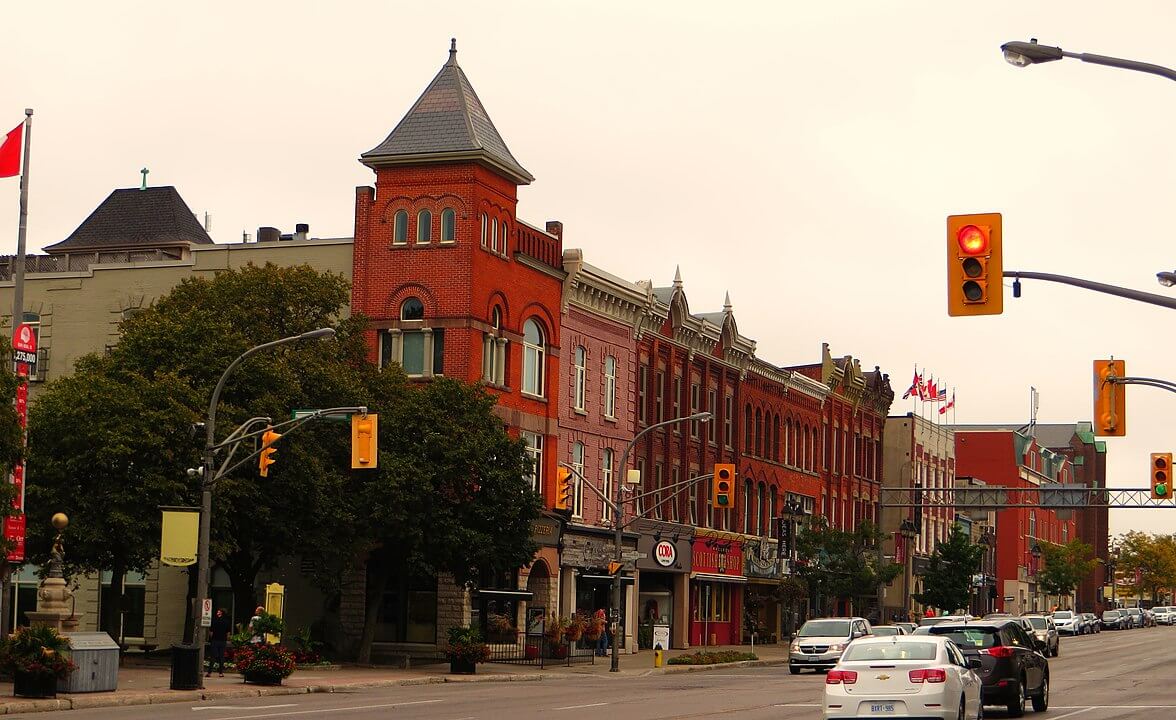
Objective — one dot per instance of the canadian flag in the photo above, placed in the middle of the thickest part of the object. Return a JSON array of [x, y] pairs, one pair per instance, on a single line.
[[949, 405], [10, 152], [932, 394]]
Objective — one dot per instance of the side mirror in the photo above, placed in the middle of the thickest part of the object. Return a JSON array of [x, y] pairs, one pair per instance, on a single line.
[[857, 634], [975, 663]]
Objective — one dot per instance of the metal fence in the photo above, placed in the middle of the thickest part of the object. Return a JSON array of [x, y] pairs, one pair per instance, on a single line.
[[532, 647]]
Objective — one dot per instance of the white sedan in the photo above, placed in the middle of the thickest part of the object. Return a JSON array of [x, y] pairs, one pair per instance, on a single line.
[[903, 676]]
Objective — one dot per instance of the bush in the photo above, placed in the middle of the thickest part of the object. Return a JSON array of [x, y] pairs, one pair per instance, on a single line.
[[266, 663], [267, 624], [712, 658], [465, 645], [38, 651]]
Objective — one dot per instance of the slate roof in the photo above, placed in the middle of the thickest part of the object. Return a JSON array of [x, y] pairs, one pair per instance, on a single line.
[[448, 122], [134, 218]]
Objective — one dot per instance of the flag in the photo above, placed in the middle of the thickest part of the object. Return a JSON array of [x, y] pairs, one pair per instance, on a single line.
[[949, 405], [10, 152], [932, 394], [916, 383]]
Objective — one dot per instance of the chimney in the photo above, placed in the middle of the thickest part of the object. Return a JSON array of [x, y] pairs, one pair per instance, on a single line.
[[301, 230], [555, 227], [268, 234]]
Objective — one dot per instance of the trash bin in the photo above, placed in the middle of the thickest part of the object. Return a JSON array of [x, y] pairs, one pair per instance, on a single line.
[[185, 668], [96, 657]]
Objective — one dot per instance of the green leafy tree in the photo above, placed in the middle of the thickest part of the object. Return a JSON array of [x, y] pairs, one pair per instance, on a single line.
[[1147, 561], [451, 494], [1065, 566], [840, 564], [947, 583]]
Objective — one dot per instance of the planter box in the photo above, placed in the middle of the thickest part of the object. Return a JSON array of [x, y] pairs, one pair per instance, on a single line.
[[34, 685], [462, 667], [262, 678]]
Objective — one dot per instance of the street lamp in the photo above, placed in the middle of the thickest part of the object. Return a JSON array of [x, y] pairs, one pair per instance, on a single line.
[[1035, 551], [208, 478], [908, 531], [618, 520], [1022, 54], [988, 541], [1167, 279]]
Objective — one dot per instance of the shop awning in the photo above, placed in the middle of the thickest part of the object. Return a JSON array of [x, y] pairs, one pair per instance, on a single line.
[[716, 577], [625, 580], [520, 594]]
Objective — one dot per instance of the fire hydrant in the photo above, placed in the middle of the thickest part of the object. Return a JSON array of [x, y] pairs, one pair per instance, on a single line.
[[659, 657]]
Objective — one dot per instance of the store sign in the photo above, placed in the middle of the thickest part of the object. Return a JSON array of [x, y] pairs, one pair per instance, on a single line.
[[664, 553], [718, 556], [761, 559]]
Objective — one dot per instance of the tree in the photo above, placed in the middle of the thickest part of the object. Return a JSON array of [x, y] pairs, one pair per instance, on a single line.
[[839, 564], [947, 582], [1150, 558], [451, 495], [1065, 566]]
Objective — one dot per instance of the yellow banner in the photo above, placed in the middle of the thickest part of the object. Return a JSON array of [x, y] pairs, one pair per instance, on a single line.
[[181, 532]]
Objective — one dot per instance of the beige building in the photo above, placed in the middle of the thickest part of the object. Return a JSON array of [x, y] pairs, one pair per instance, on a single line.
[[135, 247]]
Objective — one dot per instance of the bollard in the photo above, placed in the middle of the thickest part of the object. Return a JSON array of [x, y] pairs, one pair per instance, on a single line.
[[658, 657]]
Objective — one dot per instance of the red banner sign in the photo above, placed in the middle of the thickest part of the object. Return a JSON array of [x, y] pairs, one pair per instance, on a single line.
[[899, 549], [718, 556], [14, 526]]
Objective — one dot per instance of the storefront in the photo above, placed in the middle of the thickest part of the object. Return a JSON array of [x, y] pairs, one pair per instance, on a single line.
[[664, 583], [717, 583], [761, 604], [585, 585]]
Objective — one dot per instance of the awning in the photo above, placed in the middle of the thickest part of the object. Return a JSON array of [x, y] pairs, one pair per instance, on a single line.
[[521, 594], [716, 577], [624, 579]]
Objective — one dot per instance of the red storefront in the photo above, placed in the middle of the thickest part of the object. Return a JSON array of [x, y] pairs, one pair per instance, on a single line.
[[716, 589]]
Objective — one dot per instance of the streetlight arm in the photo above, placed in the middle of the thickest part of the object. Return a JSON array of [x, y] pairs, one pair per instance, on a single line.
[[682, 486], [1123, 64], [1137, 295]]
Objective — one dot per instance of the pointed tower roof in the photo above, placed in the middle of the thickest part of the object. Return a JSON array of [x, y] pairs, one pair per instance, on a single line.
[[447, 123]]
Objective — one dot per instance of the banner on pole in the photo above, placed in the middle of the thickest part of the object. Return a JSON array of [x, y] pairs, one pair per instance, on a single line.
[[180, 536]]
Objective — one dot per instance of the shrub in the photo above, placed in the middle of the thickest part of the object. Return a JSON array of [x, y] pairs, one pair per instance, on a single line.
[[267, 624], [265, 663], [465, 645], [712, 658], [39, 651]]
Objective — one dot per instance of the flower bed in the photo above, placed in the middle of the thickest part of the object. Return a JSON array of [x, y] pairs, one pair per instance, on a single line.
[[712, 658], [264, 664]]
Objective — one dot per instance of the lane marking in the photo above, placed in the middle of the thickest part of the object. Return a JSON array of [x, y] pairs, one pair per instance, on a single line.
[[577, 707], [330, 710], [243, 707], [1076, 712], [797, 705]]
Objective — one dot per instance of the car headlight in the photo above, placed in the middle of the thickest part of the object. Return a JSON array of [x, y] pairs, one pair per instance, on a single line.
[[837, 647], [795, 647]]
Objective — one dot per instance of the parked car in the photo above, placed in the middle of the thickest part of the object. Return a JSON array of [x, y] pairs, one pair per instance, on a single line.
[[1047, 632], [1092, 623], [904, 676], [1135, 615], [1068, 622], [1012, 670], [1114, 620], [821, 641], [936, 619], [908, 626], [1164, 614], [887, 630]]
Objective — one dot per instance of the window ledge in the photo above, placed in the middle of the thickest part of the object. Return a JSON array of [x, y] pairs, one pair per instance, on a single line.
[[610, 419], [447, 242], [532, 396], [581, 412]]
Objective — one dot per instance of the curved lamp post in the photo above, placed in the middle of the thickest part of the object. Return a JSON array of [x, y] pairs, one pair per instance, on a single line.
[[208, 478], [1023, 54]]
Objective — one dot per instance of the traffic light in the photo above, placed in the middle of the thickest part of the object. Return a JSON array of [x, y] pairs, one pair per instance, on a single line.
[[1161, 476], [1110, 399], [266, 458], [724, 485], [365, 448], [563, 487], [974, 266]]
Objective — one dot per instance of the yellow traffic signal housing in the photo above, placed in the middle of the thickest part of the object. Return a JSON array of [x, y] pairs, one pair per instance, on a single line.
[[1161, 476], [723, 485], [563, 488], [1110, 399], [266, 458], [365, 446], [974, 265]]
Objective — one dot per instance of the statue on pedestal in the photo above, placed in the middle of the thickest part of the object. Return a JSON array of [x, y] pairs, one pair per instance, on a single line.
[[55, 603]]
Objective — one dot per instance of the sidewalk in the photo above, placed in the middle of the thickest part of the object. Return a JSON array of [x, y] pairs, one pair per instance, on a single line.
[[146, 685]]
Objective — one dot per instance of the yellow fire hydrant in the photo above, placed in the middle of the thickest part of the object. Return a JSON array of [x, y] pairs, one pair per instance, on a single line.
[[659, 657]]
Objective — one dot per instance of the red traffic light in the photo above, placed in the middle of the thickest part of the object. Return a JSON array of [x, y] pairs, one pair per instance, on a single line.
[[972, 240]]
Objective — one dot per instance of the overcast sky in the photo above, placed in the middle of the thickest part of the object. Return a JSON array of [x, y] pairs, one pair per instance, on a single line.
[[802, 156]]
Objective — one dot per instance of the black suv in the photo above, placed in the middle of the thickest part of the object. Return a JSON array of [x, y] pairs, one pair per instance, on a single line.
[[1012, 669]]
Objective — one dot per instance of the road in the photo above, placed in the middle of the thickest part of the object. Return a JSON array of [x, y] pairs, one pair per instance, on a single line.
[[1111, 675]]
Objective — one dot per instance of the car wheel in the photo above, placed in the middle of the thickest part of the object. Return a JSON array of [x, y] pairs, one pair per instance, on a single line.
[[1017, 702], [793, 669], [1041, 699]]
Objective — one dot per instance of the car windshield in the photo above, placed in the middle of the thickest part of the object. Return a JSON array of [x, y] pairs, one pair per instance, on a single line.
[[825, 628], [1134, 611], [1110, 615], [1038, 623], [890, 651], [885, 630], [1063, 615], [933, 621], [969, 638]]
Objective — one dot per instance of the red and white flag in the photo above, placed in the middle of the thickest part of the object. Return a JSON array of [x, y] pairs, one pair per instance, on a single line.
[[10, 152], [916, 386], [932, 393], [949, 405]]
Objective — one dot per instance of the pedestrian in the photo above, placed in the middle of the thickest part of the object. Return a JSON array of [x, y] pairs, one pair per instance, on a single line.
[[218, 638], [602, 643], [257, 638]]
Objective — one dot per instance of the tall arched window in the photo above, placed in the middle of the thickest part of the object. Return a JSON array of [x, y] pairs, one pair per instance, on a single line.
[[761, 510], [772, 509], [494, 351], [580, 391], [606, 481], [448, 225], [400, 227], [759, 433], [788, 432], [747, 429], [610, 387], [485, 230], [776, 438], [534, 355], [502, 238], [748, 523], [493, 235], [577, 485], [424, 227]]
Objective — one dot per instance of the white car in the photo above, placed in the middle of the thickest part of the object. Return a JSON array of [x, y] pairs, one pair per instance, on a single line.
[[904, 676], [1066, 622], [1164, 615]]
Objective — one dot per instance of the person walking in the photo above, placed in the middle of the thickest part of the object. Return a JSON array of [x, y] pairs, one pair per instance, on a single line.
[[257, 638], [218, 638]]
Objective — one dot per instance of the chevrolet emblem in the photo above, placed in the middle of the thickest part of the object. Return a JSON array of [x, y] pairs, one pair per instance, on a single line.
[[883, 677]]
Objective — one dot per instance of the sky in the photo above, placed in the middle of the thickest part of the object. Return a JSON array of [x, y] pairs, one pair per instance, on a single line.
[[801, 156]]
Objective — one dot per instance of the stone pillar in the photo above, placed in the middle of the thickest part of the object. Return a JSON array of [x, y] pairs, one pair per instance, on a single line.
[[680, 632], [453, 606], [427, 360], [500, 365]]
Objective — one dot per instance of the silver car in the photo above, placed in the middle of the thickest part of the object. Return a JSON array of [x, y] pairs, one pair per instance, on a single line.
[[1046, 632], [820, 642]]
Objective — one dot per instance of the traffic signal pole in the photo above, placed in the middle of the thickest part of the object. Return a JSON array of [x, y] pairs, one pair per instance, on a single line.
[[1137, 295]]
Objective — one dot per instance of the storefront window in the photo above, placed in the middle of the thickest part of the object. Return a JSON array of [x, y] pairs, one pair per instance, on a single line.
[[711, 602], [408, 610], [22, 598], [133, 600]]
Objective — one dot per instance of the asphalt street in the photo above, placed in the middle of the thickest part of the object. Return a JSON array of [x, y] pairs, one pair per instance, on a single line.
[[1111, 675]]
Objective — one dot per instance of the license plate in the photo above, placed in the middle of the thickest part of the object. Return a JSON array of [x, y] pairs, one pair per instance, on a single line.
[[882, 708], [814, 658]]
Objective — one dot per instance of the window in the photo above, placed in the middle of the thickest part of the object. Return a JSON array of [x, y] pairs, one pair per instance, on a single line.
[[642, 383], [494, 351], [448, 225], [493, 236], [692, 517], [534, 442], [424, 227], [712, 404], [22, 598], [747, 524], [747, 446], [759, 433], [711, 602], [577, 483], [419, 350], [485, 230], [640, 503], [728, 420], [581, 379], [772, 512], [606, 481], [412, 309], [676, 404], [134, 593], [776, 438], [659, 498], [408, 610], [761, 510], [674, 503], [610, 387], [1032, 524], [400, 228], [659, 397], [534, 357], [695, 398], [502, 238]]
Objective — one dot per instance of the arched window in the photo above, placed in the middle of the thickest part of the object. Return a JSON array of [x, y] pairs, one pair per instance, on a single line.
[[503, 238], [814, 448], [788, 432], [772, 509], [419, 349], [776, 438], [424, 227], [412, 309], [606, 481], [761, 510], [581, 369], [759, 433], [534, 356], [577, 485], [747, 429], [448, 225], [748, 523], [494, 351], [493, 235], [485, 230], [610, 387], [400, 227]]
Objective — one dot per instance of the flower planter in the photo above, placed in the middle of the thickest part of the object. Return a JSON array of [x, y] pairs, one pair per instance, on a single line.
[[258, 678], [34, 685], [461, 666]]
